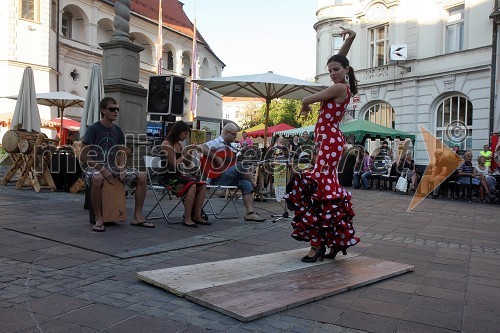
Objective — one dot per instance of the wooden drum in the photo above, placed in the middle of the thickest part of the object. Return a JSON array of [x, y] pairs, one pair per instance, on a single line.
[[12, 138]]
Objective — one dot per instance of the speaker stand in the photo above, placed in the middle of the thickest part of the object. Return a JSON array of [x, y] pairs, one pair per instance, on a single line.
[[279, 217]]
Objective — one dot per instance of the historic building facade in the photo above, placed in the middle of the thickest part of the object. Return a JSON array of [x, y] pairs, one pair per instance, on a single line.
[[445, 83], [60, 40]]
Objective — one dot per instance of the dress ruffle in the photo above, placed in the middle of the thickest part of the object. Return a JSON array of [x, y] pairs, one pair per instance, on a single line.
[[321, 216]]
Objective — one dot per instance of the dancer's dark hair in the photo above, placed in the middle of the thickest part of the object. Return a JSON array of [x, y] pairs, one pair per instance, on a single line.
[[353, 82]]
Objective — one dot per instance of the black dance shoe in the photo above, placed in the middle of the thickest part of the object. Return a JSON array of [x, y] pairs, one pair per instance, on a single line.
[[318, 255], [334, 251]]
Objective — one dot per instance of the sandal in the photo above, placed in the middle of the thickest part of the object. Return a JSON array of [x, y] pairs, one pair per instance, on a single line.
[[202, 222], [98, 228], [144, 224]]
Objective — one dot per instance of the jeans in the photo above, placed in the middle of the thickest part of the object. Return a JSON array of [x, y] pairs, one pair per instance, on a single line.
[[364, 179], [355, 181], [233, 176], [468, 180]]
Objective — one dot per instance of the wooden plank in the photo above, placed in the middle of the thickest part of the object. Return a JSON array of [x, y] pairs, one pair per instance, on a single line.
[[184, 279], [259, 297]]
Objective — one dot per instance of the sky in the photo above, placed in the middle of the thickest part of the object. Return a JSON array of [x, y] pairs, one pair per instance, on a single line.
[[257, 36]]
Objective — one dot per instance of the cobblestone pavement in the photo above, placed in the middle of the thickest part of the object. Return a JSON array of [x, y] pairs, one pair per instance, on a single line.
[[58, 276]]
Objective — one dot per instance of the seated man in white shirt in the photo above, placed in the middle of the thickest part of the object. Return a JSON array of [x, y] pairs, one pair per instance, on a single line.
[[220, 160]]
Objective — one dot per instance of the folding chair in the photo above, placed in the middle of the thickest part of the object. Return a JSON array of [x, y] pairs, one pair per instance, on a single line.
[[153, 163], [230, 198]]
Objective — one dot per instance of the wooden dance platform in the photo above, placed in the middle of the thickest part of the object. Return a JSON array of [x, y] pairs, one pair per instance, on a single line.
[[253, 287]]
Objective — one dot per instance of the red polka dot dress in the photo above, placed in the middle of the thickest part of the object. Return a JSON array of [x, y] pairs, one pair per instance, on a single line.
[[322, 208]]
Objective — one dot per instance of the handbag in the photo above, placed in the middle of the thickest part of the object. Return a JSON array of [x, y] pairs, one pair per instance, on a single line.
[[402, 184]]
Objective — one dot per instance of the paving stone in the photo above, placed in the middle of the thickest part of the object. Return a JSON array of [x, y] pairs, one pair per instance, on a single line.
[[378, 308], [410, 327], [316, 312], [367, 322], [56, 304], [16, 319], [57, 326], [151, 324], [434, 318], [384, 295], [437, 304], [97, 316]]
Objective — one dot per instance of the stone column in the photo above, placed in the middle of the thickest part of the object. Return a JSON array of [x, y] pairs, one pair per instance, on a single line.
[[121, 77]]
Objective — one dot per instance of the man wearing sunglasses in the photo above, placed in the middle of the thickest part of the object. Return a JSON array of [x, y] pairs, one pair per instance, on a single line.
[[222, 169], [103, 157]]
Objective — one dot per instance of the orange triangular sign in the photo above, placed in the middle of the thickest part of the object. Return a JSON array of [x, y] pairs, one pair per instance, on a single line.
[[443, 162]]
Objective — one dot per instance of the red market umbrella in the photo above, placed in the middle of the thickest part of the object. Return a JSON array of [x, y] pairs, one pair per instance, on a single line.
[[270, 130], [68, 123]]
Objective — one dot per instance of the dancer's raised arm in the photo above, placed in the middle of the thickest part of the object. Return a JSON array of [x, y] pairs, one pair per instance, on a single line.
[[344, 49]]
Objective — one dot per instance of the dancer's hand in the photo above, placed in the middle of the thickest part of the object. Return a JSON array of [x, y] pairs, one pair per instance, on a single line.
[[304, 111], [347, 32]]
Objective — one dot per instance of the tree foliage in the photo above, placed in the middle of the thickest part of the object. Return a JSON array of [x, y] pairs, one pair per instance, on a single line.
[[288, 111], [252, 115]]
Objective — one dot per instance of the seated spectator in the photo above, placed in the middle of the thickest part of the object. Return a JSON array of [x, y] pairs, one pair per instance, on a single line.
[[181, 182], [467, 173], [294, 145], [486, 179], [279, 151], [357, 168], [220, 162], [382, 158], [408, 165], [439, 173], [366, 171]]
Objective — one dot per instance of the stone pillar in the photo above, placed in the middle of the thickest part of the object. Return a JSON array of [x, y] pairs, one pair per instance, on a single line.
[[121, 78]]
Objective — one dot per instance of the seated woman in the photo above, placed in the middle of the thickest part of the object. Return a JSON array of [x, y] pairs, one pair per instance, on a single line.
[[486, 179], [194, 191], [408, 164]]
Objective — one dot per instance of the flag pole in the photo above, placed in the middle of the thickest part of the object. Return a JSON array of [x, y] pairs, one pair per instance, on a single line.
[[159, 42], [194, 70]]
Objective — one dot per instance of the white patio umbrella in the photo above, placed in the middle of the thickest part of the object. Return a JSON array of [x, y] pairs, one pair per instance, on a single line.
[[61, 99], [26, 115], [267, 85], [95, 92]]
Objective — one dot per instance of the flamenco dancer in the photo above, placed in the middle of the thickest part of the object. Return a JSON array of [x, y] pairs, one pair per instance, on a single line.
[[322, 208]]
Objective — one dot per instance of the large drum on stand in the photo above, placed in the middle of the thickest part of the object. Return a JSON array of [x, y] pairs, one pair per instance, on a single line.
[[14, 139]]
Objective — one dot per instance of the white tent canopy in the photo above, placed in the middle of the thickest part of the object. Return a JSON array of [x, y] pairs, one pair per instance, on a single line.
[[296, 131], [268, 86]]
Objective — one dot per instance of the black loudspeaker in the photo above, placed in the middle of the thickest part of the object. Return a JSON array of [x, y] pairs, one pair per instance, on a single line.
[[166, 95]]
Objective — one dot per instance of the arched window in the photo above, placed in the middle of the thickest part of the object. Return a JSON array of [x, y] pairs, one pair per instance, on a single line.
[[170, 61], [67, 24], [186, 64], [454, 122], [382, 114]]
